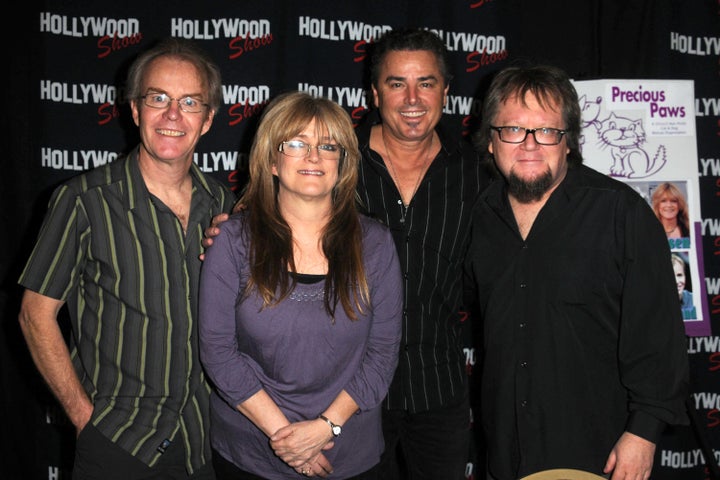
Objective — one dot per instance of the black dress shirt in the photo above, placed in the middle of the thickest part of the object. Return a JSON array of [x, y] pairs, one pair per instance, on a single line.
[[584, 338], [431, 239]]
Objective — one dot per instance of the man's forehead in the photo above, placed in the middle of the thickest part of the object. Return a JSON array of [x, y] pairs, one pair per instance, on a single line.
[[406, 64], [166, 72]]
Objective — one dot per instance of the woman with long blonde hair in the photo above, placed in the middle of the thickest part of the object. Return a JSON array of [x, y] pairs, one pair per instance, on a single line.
[[671, 209]]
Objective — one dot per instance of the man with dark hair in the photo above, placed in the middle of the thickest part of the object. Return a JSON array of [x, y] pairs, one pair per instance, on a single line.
[[422, 183]]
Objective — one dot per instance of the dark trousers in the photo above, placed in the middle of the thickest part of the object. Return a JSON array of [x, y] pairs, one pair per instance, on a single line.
[[97, 458], [427, 445], [226, 470]]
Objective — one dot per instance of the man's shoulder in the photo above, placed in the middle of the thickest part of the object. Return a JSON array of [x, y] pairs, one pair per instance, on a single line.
[[586, 178], [470, 163], [97, 177], [455, 144], [467, 151], [211, 183], [584, 175]]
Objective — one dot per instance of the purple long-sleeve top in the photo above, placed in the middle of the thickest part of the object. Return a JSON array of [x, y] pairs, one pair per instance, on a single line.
[[297, 354]]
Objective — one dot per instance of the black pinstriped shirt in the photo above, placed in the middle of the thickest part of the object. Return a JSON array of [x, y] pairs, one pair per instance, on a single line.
[[119, 258], [431, 243]]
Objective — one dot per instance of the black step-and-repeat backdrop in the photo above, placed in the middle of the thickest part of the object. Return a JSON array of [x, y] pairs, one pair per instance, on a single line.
[[62, 115]]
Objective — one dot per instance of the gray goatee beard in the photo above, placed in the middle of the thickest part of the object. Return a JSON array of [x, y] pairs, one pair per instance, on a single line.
[[526, 191]]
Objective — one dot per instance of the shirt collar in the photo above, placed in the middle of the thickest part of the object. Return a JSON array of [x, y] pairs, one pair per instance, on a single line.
[[137, 193]]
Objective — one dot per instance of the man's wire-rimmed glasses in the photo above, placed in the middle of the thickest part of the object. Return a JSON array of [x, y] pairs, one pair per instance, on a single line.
[[298, 148], [542, 135], [187, 104]]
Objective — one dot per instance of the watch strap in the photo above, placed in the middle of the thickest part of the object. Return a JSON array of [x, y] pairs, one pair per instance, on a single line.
[[334, 428]]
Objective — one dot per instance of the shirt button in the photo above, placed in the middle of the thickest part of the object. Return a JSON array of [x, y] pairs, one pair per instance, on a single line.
[[524, 403], [523, 364], [523, 285], [522, 325]]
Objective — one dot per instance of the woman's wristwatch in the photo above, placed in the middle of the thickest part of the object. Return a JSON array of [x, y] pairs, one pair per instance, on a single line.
[[336, 429]]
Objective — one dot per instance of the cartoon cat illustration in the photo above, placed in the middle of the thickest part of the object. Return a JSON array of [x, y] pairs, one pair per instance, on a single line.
[[625, 137], [590, 112]]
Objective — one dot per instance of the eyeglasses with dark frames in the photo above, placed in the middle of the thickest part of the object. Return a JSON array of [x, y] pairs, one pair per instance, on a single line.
[[542, 135]]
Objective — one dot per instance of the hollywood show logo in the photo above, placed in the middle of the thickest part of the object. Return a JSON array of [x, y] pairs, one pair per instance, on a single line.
[[352, 99], [361, 33], [105, 96], [75, 160], [67, 25], [482, 50], [211, 162], [111, 44], [245, 101], [710, 167], [339, 30], [690, 45], [113, 34], [245, 35]]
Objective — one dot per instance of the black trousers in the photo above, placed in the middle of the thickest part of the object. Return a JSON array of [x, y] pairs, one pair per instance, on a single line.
[[97, 458], [427, 445], [226, 470]]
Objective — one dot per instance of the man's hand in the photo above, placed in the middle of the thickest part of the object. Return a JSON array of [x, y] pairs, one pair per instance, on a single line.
[[631, 458], [212, 231]]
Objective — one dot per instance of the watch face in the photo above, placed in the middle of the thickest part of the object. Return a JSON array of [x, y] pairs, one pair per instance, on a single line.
[[336, 430]]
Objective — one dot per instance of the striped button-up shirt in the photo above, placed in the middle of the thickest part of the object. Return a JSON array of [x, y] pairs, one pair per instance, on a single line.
[[431, 238], [129, 274]]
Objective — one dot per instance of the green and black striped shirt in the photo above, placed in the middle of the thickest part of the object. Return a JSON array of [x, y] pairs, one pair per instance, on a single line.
[[119, 258]]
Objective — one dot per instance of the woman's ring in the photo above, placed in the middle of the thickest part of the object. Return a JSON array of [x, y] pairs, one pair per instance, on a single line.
[[306, 470]]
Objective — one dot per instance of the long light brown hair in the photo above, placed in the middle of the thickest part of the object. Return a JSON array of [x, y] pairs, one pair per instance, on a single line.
[[271, 241]]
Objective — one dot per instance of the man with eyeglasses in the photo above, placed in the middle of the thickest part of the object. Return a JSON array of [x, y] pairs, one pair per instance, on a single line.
[[120, 246], [584, 356]]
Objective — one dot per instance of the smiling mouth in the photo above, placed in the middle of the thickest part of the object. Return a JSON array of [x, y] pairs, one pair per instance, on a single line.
[[170, 133], [413, 114], [311, 172]]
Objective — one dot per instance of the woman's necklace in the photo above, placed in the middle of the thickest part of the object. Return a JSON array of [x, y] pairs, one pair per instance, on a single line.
[[671, 230], [403, 204]]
